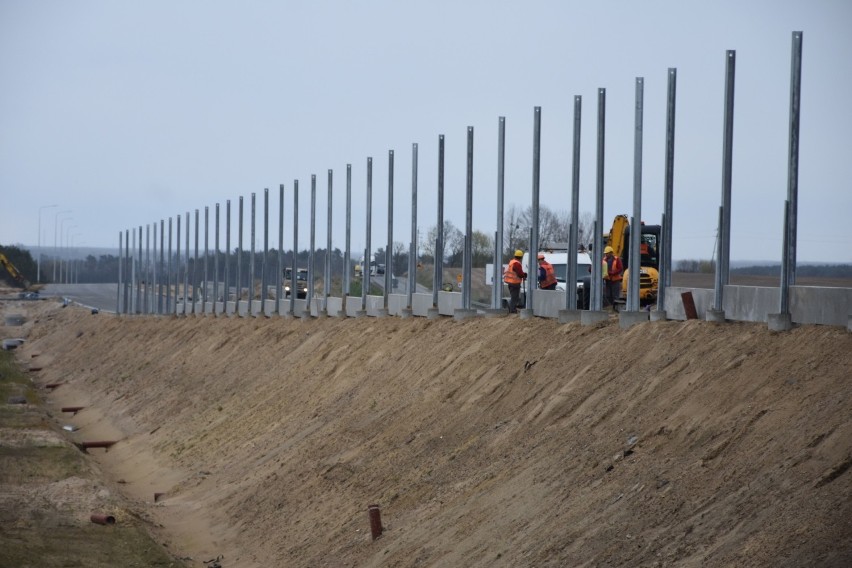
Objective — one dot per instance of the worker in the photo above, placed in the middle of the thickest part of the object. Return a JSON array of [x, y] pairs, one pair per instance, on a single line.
[[514, 277], [546, 275], [613, 274]]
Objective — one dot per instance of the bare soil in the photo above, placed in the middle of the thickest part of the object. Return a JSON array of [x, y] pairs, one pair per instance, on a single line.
[[491, 442]]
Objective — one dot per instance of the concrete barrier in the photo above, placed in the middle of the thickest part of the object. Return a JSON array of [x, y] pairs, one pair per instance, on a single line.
[[808, 304]]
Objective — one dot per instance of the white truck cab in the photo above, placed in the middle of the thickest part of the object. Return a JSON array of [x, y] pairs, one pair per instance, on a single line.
[[559, 260]]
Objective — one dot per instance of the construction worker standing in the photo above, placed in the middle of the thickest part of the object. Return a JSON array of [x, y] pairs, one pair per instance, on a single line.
[[613, 274], [546, 275], [514, 277]]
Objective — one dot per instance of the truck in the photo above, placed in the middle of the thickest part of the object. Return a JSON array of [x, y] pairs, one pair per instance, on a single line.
[[301, 282], [649, 270]]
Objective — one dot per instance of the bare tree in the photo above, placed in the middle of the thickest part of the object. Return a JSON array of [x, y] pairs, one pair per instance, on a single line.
[[453, 243]]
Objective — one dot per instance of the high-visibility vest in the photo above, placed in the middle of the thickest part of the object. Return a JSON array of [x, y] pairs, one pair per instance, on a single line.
[[613, 270], [511, 276], [549, 275]]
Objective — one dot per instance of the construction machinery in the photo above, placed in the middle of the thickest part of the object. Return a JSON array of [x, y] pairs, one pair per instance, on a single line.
[[14, 272], [649, 270]]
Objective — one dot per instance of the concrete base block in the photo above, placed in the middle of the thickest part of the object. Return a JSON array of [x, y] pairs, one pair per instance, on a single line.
[[526, 314], [462, 314], [568, 316], [322, 314], [658, 315], [495, 313], [339, 314], [435, 313], [849, 324], [626, 320], [361, 313], [406, 313], [717, 316], [593, 317], [382, 313], [780, 322]]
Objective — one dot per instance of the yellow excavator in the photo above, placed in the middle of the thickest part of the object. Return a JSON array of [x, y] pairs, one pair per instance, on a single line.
[[649, 272], [14, 272]]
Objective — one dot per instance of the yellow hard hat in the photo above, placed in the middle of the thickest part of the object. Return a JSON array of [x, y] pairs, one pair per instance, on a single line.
[[608, 250], [519, 253]]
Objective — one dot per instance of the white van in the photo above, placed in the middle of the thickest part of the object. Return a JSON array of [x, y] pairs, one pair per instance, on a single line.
[[559, 259]]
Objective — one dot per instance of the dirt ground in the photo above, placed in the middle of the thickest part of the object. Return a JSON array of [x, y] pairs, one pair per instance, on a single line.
[[491, 442]]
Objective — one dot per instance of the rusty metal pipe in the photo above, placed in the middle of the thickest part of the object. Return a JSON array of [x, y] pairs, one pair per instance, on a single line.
[[74, 409], [102, 519], [375, 521], [53, 385], [34, 369], [158, 496], [689, 305]]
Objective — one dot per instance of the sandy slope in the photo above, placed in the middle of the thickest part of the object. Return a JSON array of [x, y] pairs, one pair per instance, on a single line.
[[493, 442]]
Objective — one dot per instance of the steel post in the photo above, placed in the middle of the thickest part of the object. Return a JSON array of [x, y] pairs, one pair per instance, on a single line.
[[389, 249], [293, 268], [571, 276], [727, 169], [310, 294], [264, 273], [412, 253], [280, 266], [239, 253], [497, 287], [252, 240], [468, 226], [634, 263], [439, 241], [366, 265], [327, 264], [161, 271], [597, 234], [226, 294], [532, 277], [793, 153], [668, 198], [195, 278], [216, 259], [347, 267], [170, 273]]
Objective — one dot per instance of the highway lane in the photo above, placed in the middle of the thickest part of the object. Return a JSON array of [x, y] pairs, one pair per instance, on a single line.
[[100, 296]]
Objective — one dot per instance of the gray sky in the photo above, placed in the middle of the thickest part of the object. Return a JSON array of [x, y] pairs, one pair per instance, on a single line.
[[128, 112]]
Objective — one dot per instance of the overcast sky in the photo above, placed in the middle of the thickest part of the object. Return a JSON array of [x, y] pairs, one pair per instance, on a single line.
[[126, 113]]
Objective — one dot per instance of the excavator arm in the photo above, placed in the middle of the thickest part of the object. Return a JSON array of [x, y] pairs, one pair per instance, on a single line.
[[13, 271]]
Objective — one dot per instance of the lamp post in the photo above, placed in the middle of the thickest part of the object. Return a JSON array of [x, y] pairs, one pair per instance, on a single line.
[[64, 244], [38, 259], [75, 269], [55, 234]]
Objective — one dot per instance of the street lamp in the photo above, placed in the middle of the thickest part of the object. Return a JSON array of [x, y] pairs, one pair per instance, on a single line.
[[55, 233], [74, 262], [65, 250], [38, 260]]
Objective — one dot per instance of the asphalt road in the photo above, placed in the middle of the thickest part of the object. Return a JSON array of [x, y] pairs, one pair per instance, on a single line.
[[100, 296]]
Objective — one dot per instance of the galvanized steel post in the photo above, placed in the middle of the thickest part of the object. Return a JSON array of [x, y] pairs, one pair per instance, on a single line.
[[347, 267], [668, 198], [571, 277], [120, 259], [206, 256], [161, 271], [178, 279], [186, 291], [263, 272], [128, 269], [412, 253], [195, 268], [227, 293], [597, 234], [216, 261], [536, 173], [170, 277], [793, 153], [239, 254], [251, 258], [147, 304], [366, 274], [280, 266], [327, 264], [310, 295], [389, 249], [723, 267], [497, 285], [634, 263], [439, 240], [468, 225], [293, 273]]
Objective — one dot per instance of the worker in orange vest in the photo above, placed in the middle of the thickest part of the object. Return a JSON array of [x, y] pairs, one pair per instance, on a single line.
[[546, 274], [514, 277], [613, 274]]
